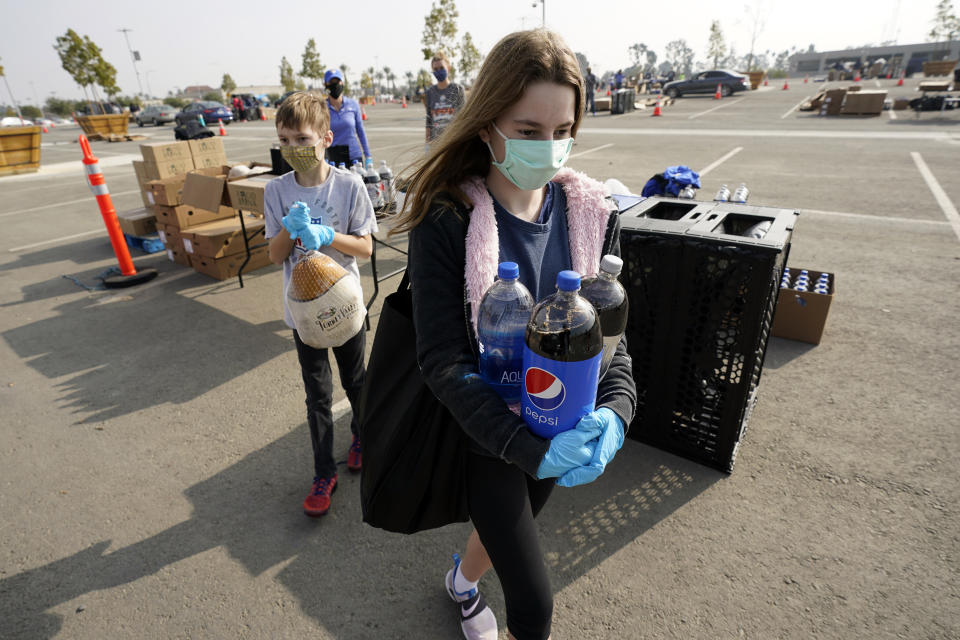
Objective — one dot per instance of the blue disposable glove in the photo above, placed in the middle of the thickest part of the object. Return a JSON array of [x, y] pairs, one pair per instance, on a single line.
[[568, 450], [315, 236], [611, 439], [297, 219]]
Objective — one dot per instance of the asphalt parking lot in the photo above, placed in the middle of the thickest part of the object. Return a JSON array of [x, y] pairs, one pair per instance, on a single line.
[[154, 453]]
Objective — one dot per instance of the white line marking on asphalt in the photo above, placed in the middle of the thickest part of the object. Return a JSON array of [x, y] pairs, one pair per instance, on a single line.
[[877, 82], [793, 108], [893, 114], [717, 163], [727, 104], [941, 196], [773, 133], [55, 240], [867, 216], [61, 204], [583, 153]]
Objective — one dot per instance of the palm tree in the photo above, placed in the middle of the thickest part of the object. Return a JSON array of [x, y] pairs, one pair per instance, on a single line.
[[343, 69], [411, 87], [379, 76], [373, 74]]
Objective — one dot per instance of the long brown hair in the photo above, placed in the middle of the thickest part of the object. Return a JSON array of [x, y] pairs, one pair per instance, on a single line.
[[517, 61]]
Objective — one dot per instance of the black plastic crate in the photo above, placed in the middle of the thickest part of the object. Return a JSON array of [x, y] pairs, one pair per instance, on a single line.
[[702, 298]]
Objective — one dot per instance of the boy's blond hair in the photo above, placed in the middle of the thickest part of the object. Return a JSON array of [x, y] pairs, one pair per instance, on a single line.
[[304, 109], [440, 56]]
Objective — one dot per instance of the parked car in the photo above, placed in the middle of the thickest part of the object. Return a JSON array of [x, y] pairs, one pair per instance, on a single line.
[[707, 81], [14, 121], [211, 111], [157, 115]]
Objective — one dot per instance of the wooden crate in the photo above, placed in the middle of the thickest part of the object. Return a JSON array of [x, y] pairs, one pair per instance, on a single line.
[[19, 149], [939, 67], [102, 127]]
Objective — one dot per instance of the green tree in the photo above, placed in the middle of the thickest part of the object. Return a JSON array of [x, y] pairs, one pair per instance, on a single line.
[[637, 52], [716, 47], [213, 96], [311, 66], [380, 75], [30, 111], [680, 56], [440, 29], [372, 73], [366, 81], [176, 103], [753, 13], [227, 84], [946, 25], [83, 60], [299, 85], [58, 107], [344, 69], [286, 75], [583, 63], [470, 57]]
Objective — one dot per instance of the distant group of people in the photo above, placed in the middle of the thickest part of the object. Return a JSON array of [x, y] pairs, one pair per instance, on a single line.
[[494, 172]]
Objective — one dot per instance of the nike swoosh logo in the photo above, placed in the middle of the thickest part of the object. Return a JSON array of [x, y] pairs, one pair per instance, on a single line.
[[466, 613]]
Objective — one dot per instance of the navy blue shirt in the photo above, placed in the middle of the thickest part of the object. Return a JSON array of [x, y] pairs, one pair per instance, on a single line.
[[541, 249]]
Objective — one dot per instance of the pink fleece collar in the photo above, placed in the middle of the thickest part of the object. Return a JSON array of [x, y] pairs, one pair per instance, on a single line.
[[587, 214]]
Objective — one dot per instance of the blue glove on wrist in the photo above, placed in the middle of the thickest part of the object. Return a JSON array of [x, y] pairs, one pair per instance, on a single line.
[[611, 439], [297, 219], [315, 236], [569, 450]]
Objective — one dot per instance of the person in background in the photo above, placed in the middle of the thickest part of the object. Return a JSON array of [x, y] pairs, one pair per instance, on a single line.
[[495, 189], [618, 79], [591, 87], [346, 123], [443, 99], [340, 223], [237, 108]]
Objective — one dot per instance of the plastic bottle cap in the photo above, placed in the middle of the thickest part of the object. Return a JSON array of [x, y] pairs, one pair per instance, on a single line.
[[568, 280], [611, 264], [508, 271]]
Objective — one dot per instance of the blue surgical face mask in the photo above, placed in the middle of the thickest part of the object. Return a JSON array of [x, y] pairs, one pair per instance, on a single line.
[[530, 164], [440, 74]]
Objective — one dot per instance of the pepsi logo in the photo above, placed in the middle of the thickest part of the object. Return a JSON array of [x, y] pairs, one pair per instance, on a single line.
[[544, 389]]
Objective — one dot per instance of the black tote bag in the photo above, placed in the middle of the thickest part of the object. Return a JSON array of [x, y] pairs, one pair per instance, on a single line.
[[413, 449]]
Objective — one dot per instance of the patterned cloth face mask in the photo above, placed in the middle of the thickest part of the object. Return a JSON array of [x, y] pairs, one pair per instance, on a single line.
[[301, 158], [530, 164]]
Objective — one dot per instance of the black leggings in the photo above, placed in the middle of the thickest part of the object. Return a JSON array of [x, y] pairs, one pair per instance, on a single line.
[[503, 501]]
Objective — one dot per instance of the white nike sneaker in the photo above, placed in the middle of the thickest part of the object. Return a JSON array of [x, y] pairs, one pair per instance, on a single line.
[[476, 619]]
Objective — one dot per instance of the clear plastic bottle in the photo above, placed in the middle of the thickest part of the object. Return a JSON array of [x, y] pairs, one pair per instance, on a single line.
[[501, 325], [371, 180], [561, 360], [688, 192], [386, 182], [723, 194], [741, 194], [609, 298]]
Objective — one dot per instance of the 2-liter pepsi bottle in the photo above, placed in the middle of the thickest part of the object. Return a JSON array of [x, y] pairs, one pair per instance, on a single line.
[[609, 298], [561, 359], [501, 325]]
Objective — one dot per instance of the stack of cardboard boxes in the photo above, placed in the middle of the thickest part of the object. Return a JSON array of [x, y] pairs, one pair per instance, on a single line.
[[185, 196]]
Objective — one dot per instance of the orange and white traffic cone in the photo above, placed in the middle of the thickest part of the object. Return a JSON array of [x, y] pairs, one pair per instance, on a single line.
[[404, 104], [263, 116], [765, 82], [363, 114], [608, 93], [718, 94], [223, 131], [900, 81], [98, 185], [45, 129], [656, 109], [785, 84], [806, 78]]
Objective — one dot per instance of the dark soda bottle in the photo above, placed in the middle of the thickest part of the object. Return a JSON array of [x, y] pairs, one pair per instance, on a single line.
[[561, 359], [609, 298]]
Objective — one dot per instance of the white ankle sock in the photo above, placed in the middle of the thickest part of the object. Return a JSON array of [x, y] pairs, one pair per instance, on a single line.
[[461, 584]]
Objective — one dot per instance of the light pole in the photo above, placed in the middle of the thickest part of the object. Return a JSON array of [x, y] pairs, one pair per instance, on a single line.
[[134, 56], [149, 90]]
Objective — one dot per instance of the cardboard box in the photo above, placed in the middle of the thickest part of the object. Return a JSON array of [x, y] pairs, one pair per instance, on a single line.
[[167, 169], [223, 268], [206, 188], [169, 235], [901, 104], [139, 222], [223, 237], [802, 315], [143, 182], [206, 147], [247, 194], [864, 103], [184, 215], [179, 256], [834, 101], [168, 191], [162, 152], [209, 160]]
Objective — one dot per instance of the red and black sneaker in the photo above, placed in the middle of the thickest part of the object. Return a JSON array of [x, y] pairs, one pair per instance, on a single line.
[[318, 502], [354, 456]]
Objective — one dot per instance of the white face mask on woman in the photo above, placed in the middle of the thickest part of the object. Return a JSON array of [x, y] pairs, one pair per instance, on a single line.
[[530, 164]]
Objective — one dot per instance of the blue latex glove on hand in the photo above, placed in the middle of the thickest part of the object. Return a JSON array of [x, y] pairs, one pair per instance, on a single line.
[[315, 236], [568, 450], [610, 441], [297, 219]]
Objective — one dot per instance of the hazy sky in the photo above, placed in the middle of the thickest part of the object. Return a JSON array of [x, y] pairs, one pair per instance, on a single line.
[[193, 43]]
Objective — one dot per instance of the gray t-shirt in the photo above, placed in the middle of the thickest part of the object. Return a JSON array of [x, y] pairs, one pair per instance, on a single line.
[[442, 105], [340, 202]]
